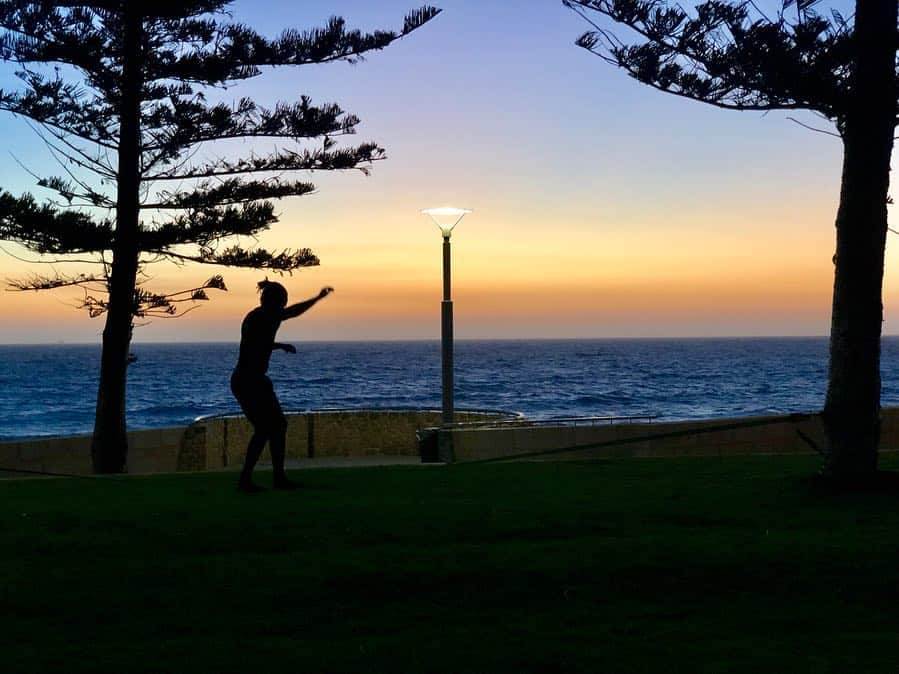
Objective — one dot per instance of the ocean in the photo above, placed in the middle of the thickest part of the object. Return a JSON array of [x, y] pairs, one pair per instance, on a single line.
[[51, 389]]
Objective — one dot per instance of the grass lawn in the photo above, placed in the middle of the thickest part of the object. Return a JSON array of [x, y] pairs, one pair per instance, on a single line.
[[662, 565]]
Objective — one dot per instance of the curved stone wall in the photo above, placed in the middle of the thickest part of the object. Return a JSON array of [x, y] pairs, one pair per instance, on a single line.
[[220, 442]]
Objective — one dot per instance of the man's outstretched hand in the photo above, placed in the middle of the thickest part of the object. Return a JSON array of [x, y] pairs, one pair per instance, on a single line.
[[324, 292]]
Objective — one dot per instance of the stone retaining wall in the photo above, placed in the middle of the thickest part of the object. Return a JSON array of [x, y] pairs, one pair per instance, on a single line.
[[780, 436], [326, 434], [156, 450], [221, 442]]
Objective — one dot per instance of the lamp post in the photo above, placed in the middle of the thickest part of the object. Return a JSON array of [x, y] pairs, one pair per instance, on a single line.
[[446, 219]]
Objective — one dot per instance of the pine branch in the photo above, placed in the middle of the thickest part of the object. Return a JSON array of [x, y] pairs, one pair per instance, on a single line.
[[38, 282], [230, 192], [58, 104], [205, 226], [238, 52], [155, 9], [286, 261], [54, 262], [282, 161], [79, 156], [723, 57], [166, 304], [216, 282], [152, 304], [70, 193], [38, 32], [64, 159], [181, 123], [45, 229]]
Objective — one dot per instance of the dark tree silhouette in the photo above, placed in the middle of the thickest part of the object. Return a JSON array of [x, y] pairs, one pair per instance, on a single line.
[[116, 90], [730, 55]]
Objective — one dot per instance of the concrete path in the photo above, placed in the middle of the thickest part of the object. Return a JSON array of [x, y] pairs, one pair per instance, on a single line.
[[292, 464]]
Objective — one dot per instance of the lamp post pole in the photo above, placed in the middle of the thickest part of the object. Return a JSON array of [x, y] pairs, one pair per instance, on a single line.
[[446, 219], [446, 334]]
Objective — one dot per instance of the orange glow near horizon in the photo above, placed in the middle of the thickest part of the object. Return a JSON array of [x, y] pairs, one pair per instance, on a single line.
[[600, 283]]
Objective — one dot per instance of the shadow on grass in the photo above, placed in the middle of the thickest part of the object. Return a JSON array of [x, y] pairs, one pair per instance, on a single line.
[[882, 482]]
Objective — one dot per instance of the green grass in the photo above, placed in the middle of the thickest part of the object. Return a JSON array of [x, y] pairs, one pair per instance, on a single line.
[[695, 565]]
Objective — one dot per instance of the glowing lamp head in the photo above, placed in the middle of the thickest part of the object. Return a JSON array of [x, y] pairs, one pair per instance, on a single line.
[[446, 218]]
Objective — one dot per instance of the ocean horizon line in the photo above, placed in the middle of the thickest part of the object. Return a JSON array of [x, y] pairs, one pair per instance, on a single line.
[[457, 340]]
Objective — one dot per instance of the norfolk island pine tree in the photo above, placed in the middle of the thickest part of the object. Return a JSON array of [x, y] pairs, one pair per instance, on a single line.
[[115, 88], [730, 55]]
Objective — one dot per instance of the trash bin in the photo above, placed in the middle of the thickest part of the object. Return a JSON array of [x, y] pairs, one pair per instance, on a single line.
[[427, 445]]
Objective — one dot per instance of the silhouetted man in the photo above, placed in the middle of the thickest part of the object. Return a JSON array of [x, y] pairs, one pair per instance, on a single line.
[[254, 390]]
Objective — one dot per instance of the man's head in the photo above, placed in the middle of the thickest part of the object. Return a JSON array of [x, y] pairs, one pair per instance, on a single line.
[[272, 295]]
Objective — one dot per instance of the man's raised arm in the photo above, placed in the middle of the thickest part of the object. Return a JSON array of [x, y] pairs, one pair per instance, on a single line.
[[300, 308]]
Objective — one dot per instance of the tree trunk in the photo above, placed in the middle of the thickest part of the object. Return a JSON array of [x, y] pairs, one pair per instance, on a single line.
[[852, 407], [109, 447]]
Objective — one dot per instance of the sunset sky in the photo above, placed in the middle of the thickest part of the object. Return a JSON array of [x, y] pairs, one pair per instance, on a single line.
[[602, 208]]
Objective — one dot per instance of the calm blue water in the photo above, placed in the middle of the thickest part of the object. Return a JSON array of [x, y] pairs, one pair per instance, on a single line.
[[51, 390]]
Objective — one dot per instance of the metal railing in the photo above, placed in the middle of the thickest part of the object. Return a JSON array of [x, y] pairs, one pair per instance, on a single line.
[[556, 421], [509, 416]]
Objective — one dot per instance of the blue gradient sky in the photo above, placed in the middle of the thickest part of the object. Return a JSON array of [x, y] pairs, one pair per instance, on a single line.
[[603, 208]]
